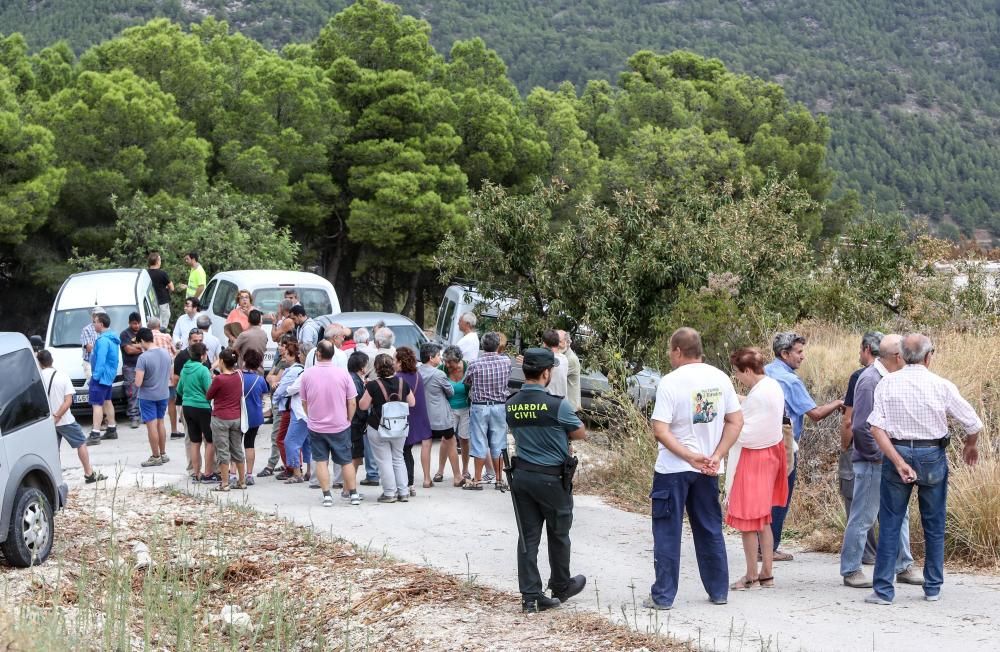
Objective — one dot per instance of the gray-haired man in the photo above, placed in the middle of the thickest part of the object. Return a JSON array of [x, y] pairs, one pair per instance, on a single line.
[[866, 459], [866, 356], [469, 342]]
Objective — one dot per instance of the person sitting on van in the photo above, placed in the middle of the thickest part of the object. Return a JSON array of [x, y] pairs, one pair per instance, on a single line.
[[104, 368], [152, 379], [130, 356], [87, 338], [306, 329], [387, 446], [162, 286], [241, 313], [60, 394]]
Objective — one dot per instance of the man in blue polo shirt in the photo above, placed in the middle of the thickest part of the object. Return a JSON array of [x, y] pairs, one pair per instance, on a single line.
[[789, 354]]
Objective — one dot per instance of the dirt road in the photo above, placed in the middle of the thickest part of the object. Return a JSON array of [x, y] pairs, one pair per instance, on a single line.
[[473, 534]]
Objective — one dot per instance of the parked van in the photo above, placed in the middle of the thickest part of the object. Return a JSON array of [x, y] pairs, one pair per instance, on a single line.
[[267, 288], [30, 474], [459, 299], [119, 292]]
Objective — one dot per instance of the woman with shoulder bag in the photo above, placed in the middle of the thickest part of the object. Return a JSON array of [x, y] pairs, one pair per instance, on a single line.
[[254, 388], [387, 444], [226, 392], [420, 423]]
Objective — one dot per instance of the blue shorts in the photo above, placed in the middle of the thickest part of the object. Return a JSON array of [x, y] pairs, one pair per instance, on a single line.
[[327, 445], [73, 433], [152, 410], [99, 393], [488, 430]]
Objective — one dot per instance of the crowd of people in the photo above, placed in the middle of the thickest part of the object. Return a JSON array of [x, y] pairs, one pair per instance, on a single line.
[[894, 436]]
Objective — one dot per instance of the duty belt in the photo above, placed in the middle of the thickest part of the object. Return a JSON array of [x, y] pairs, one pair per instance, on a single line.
[[521, 465]]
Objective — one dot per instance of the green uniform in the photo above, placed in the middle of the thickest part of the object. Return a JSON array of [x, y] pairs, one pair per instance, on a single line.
[[540, 423]]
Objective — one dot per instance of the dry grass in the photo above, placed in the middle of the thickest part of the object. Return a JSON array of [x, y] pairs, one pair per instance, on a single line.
[[817, 519]]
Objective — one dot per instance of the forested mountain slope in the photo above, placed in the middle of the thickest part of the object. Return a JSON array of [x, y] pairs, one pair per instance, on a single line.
[[912, 88]]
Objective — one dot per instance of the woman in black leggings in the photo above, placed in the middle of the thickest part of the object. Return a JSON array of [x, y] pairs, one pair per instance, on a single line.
[[191, 387]]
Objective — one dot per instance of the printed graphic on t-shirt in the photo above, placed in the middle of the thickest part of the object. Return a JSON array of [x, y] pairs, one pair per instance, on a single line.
[[705, 404]]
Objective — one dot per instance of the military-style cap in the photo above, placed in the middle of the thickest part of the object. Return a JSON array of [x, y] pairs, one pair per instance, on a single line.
[[540, 358]]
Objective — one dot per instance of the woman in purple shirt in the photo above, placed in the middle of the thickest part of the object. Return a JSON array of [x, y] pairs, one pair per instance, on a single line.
[[420, 425]]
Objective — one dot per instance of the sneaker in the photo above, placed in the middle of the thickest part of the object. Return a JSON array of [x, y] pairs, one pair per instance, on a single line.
[[110, 433], [347, 496], [857, 580], [540, 603], [165, 458], [152, 461], [650, 603], [177, 435], [719, 601], [250, 480], [868, 561], [368, 482], [386, 499], [575, 585], [133, 423], [910, 576], [94, 439], [210, 479], [355, 498], [402, 498], [327, 501], [314, 484], [932, 598], [337, 485], [94, 476], [875, 598]]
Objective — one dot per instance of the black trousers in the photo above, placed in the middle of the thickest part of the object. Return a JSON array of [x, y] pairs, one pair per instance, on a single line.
[[542, 500]]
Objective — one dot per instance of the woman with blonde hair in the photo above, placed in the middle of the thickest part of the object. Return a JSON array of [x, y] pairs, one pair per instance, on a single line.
[[757, 470]]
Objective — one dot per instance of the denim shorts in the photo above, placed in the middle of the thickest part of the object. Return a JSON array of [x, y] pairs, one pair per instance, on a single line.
[[99, 393], [73, 433], [152, 410], [327, 445], [489, 430]]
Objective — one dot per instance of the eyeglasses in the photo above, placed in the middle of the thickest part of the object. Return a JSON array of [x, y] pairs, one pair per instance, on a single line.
[[195, 331]]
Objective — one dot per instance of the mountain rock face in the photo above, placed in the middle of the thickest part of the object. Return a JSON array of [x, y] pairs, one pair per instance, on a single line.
[[912, 90]]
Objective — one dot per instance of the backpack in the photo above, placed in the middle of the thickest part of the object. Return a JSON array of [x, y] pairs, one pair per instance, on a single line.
[[395, 421]]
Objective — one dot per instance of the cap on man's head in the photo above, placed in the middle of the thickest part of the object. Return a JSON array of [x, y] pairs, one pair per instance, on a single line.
[[97, 310], [540, 358]]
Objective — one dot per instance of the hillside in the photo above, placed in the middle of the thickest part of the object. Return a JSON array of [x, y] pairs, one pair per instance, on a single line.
[[912, 92]]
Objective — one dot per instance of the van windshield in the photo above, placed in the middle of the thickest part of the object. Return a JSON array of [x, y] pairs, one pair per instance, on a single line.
[[314, 300], [67, 324]]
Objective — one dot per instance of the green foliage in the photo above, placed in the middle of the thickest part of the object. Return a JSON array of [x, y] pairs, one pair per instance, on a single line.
[[29, 179], [619, 269], [228, 230]]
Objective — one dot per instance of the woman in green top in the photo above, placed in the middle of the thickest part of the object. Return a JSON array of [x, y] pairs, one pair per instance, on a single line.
[[191, 388], [454, 368]]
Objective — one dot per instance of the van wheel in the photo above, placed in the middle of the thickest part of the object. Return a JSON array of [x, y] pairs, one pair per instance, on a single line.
[[29, 537]]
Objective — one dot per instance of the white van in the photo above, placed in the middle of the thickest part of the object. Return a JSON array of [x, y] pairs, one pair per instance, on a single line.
[[267, 288], [119, 292]]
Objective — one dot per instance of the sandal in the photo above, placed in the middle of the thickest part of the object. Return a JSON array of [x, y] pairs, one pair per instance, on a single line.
[[438, 477], [743, 584], [265, 472], [295, 479], [458, 483], [766, 582], [223, 488], [471, 485]]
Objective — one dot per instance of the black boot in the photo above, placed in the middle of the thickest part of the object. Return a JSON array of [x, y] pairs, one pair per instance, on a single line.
[[575, 585], [110, 433], [534, 604]]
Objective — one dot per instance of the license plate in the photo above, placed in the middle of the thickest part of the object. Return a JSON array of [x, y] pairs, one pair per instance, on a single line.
[[81, 398]]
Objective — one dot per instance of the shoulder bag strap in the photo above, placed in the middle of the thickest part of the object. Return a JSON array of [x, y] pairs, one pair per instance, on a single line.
[[52, 379], [382, 387]]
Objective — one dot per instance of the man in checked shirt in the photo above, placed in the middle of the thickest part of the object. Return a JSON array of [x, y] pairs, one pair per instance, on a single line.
[[910, 423], [487, 378]]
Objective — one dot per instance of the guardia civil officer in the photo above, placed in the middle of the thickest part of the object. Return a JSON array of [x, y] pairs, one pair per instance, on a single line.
[[542, 482]]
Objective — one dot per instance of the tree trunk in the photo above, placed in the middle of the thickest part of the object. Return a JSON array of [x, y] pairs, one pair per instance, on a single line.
[[419, 315], [389, 292], [411, 295]]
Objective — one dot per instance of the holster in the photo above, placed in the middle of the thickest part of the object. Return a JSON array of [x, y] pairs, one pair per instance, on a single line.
[[569, 470]]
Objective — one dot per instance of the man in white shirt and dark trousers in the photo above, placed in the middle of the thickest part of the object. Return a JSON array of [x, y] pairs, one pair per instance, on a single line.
[[60, 391], [696, 420], [910, 423]]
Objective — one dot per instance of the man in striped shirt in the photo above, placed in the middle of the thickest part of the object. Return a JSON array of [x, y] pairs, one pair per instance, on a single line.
[[909, 420], [487, 378]]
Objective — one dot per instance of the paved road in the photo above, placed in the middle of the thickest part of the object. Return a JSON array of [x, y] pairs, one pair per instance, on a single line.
[[473, 533]]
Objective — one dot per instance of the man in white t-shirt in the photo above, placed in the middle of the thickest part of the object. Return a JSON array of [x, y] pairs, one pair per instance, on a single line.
[[696, 420], [469, 343], [559, 383], [334, 333], [60, 392]]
